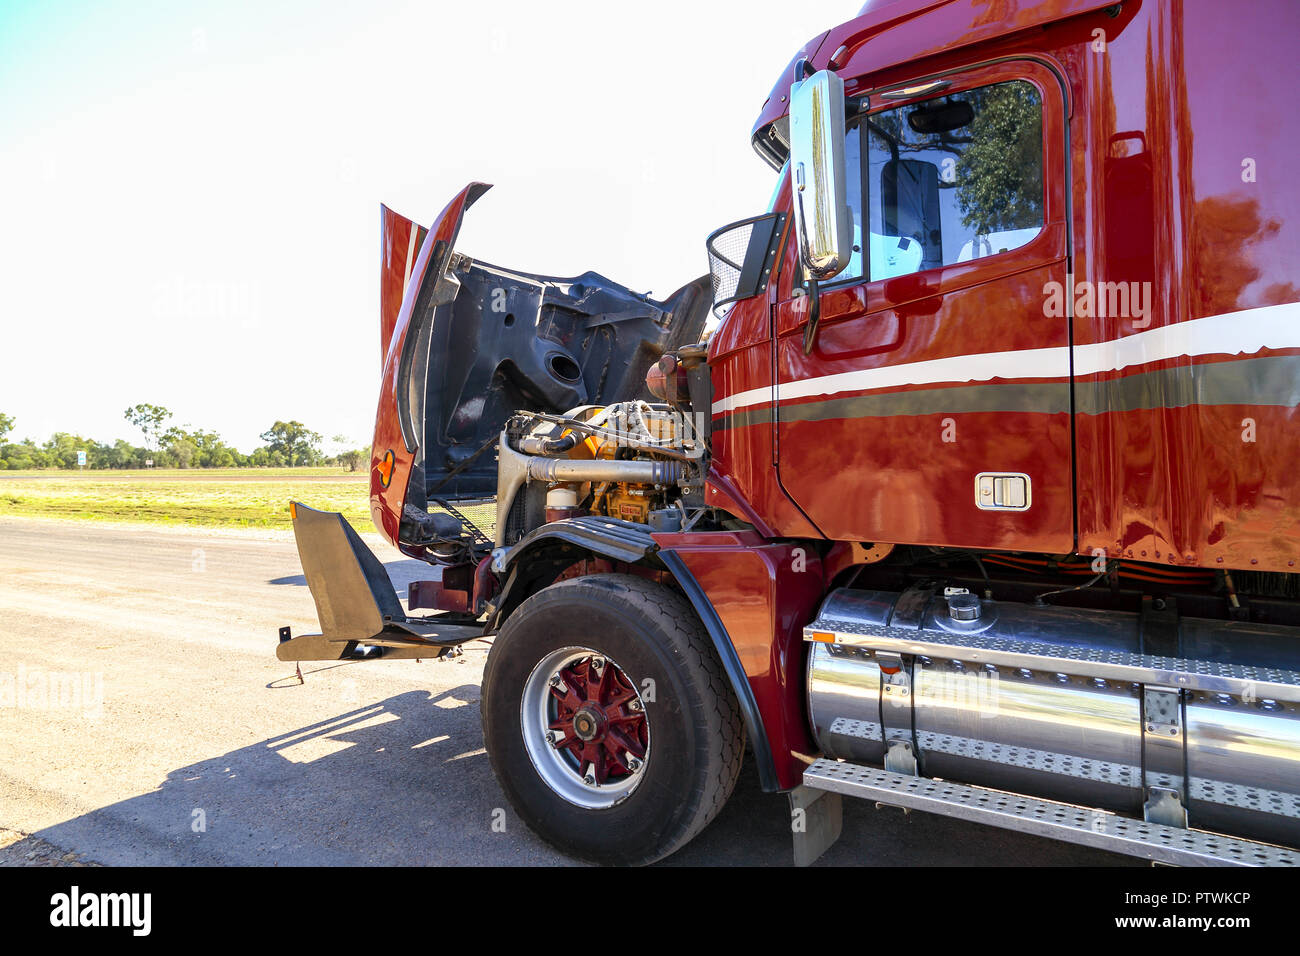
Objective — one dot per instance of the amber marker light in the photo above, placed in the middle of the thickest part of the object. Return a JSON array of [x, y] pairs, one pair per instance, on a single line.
[[385, 467]]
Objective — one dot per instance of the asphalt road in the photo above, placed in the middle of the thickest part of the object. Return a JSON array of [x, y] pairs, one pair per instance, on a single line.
[[149, 722]]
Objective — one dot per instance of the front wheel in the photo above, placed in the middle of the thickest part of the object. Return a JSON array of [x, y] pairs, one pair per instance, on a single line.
[[608, 720]]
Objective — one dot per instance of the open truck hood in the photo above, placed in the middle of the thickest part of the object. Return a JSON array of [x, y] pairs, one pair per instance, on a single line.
[[472, 343]]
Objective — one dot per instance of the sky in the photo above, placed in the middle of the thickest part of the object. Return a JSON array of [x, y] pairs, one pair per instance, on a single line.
[[189, 192]]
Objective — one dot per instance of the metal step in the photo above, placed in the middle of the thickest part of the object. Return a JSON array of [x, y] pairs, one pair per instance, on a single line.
[[1047, 818]]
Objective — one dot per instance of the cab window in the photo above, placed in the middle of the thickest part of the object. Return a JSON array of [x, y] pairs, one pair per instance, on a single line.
[[947, 180]]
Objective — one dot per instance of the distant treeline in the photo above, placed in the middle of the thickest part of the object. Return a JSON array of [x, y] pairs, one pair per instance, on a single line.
[[288, 444]]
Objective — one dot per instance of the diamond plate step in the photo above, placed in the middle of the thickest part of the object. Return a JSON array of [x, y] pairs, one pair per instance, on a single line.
[[1047, 818]]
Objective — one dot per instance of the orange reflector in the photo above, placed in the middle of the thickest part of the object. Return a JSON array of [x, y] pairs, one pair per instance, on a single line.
[[385, 467], [824, 636], [293, 510]]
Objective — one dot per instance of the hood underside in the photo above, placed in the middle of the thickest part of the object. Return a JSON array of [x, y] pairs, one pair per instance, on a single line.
[[513, 341]]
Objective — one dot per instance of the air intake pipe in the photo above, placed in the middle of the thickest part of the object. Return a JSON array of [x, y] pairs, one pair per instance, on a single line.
[[638, 472]]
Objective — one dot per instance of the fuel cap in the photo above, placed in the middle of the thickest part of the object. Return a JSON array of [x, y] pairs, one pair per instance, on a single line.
[[963, 607]]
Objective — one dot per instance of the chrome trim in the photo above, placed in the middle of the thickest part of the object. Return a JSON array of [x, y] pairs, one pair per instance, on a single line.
[[1104, 662]]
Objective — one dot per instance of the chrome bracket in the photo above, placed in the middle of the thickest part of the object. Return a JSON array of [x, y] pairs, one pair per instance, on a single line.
[[1165, 807], [896, 713], [1163, 745], [1161, 712], [900, 758]]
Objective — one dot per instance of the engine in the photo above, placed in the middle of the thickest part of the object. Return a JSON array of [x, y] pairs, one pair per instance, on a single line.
[[634, 461]]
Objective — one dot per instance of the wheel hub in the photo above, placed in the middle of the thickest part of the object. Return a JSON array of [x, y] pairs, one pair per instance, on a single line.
[[588, 723], [596, 722]]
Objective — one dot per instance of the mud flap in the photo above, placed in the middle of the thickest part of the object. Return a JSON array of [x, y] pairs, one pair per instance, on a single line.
[[355, 600]]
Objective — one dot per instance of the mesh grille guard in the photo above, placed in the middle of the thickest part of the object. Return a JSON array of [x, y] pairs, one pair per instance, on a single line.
[[742, 256], [478, 517]]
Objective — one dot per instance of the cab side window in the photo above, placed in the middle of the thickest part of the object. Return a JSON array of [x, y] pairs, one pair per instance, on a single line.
[[947, 180]]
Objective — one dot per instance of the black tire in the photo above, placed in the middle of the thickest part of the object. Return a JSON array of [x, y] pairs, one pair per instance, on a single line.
[[696, 732]]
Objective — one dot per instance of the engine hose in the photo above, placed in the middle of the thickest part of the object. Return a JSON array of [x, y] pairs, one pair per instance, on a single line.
[[532, 446], [554, 446]]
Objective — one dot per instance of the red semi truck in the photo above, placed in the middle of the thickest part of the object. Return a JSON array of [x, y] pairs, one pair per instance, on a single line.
[[968, 481]]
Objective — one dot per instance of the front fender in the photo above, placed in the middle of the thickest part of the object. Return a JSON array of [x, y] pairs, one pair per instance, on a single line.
[[541, 555]]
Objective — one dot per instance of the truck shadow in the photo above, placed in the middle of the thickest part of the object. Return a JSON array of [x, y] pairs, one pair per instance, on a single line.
[[401, 781], [405, 781]]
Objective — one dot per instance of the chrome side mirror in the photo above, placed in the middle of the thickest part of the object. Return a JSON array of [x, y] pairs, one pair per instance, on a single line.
[[822, 220]]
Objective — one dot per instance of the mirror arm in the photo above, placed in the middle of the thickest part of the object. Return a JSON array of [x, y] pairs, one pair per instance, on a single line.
[[810, 280], [802, 70], [814, 314]]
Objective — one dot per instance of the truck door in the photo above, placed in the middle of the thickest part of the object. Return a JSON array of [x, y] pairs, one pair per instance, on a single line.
[[934, 406]]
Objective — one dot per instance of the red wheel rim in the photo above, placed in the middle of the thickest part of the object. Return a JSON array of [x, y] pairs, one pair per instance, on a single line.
[[599, 720]]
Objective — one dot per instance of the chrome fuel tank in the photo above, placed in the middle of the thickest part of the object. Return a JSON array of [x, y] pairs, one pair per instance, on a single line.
[[1062, 703]]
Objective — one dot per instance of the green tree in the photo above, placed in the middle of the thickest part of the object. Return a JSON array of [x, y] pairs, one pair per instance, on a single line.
[[184, 450], [198, 449], [349, 458], [293, 442], [22, 455], [998, 156], [352, 460], [6, 425], [123, 454], [212, 451], [150, 419], [266, 458], [62, 449], [1001, 170]]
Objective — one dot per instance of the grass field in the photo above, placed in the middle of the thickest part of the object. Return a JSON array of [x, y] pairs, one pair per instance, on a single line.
[[213, 498]]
